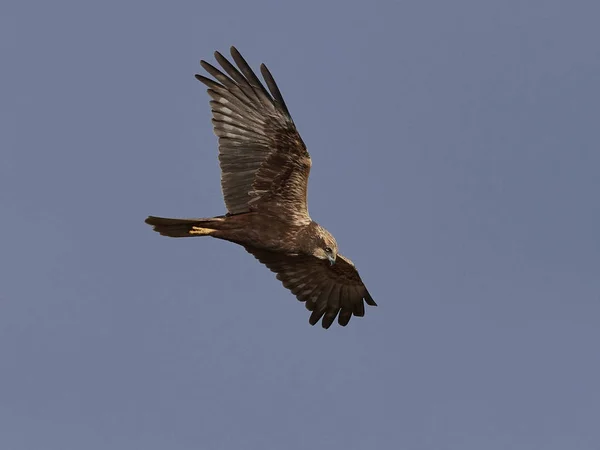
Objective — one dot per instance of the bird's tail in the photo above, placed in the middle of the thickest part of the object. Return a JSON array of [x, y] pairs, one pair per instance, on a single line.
[[184, 227]]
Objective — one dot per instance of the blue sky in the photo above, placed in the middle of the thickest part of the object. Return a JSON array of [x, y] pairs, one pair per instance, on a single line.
[[455, 158]]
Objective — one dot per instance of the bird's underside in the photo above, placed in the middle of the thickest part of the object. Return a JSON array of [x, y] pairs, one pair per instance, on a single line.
[[264, 177]]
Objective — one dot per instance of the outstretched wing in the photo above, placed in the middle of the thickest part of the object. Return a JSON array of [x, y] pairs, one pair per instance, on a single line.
[[326, 290], [264, 163]]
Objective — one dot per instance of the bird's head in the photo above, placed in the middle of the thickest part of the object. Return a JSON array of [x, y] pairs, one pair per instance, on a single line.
[[325, 246]]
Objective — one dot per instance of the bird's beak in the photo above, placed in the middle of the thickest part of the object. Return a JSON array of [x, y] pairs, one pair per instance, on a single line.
[[331, 259]]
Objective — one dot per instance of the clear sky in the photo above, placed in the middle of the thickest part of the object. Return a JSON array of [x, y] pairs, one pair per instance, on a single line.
[[456, 158]]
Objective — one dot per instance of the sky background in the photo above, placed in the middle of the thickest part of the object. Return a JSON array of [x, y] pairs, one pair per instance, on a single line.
[[456, 159]]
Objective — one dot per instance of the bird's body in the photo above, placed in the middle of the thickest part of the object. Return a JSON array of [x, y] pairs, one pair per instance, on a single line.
[[264, 177]]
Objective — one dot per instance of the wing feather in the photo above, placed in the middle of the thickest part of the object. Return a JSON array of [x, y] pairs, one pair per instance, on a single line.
[[259, 90], [333, 305], [346, 306], [328, 291], [273, 88], [264, 162], [317, 314], [237, 76]]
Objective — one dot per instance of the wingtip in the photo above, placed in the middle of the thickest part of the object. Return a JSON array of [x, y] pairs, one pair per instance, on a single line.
[[329, 318], [326, 324], [266, 73], [206, 81], [369, 299], [217, 54], [344, 319]]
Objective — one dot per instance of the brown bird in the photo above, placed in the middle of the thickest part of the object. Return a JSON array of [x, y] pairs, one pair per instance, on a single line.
[[264, 178]]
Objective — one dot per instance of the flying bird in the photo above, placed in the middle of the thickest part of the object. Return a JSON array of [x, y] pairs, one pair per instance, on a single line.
[[264, 177]]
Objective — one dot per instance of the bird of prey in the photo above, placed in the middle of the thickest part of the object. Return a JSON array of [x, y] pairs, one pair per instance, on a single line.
[[264, 177]]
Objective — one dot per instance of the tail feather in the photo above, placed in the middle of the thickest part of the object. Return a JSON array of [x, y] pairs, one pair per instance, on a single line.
[[181, 227]]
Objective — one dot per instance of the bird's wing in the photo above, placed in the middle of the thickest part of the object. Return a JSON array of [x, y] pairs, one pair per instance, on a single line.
[[264, 163], [326, 290]]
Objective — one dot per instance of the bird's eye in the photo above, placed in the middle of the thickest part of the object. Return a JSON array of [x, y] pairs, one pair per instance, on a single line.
[[328, 249]]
